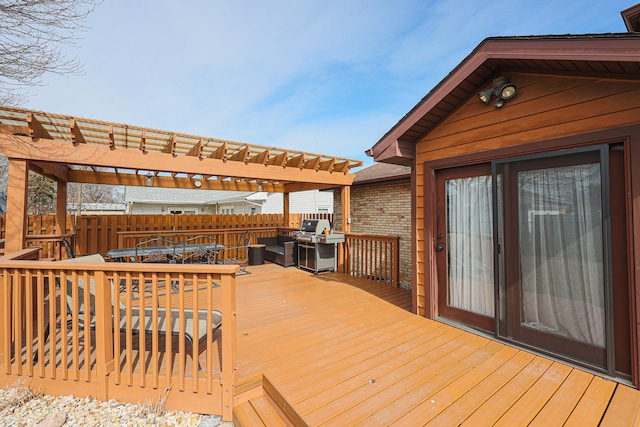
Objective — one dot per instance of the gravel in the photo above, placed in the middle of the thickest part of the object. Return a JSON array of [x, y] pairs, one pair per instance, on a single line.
[[87, 411]]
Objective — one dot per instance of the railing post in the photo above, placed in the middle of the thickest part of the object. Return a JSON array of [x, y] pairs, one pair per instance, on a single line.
[[396, 262], [228, 344], [5, 319], [104, 331]]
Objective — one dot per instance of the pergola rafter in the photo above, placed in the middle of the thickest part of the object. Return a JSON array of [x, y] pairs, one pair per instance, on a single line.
[[72, 149]]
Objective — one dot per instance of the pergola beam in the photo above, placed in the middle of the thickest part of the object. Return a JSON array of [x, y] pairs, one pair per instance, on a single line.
[[241, 155], [76, 134], [220, 153], [36, 130], [196, 150], [130, 179], [303, 186], [102, 156], [56, 171], [170, 147]]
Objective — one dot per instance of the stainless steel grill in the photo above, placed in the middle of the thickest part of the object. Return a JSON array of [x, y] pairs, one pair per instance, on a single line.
[[317, 245]]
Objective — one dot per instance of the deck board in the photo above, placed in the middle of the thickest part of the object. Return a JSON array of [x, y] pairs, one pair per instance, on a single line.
[[419, 408], [593, 404], [376, 379], [479, 393], [623, 409], [347, 351], [560, 406], [532, 402], [423, 381]]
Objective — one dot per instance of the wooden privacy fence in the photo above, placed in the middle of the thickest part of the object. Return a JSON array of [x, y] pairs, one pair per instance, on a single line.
[[99, 233], [80, 328], [129, 239]]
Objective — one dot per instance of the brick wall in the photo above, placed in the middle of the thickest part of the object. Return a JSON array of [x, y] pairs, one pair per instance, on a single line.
[[383, 209]]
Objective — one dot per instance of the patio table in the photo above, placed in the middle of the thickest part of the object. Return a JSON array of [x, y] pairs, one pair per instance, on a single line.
[[125, 253]]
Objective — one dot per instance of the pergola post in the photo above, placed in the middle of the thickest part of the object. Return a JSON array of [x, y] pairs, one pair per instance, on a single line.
[[345, 195], [285, 209], [61, 208], [17, 186]]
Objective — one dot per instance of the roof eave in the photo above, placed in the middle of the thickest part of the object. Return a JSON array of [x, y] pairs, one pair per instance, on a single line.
[[574, 48], [631, 18]]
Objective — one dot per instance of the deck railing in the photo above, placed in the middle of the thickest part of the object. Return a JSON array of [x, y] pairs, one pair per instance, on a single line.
[[74, 328], [368, 256], [372, 257]]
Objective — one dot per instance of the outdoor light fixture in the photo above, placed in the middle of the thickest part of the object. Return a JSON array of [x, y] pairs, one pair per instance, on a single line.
[[259, 186], [501, 88], [148, 180], [197, 183]]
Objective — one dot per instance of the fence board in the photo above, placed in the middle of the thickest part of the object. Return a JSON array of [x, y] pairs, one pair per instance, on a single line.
[[99, 233]]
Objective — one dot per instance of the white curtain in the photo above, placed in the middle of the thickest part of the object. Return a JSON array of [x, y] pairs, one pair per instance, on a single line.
[[470, 245], [561, 252]]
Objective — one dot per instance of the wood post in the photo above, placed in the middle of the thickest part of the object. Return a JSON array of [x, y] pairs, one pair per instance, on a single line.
[[343, 249], [61, 208], [17, 186], [285, 209], [104, 331], [5, 321], [228, 345], [345, 195]]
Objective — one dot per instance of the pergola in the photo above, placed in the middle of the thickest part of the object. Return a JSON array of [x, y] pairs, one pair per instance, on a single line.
[[71, 149]]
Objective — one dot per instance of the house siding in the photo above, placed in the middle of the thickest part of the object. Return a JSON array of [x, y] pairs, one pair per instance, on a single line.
[[382, 209], [301, 202], [547, 107], [156, 200]]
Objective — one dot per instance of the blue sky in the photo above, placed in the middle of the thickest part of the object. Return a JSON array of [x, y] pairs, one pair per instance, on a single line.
[[328, 77]]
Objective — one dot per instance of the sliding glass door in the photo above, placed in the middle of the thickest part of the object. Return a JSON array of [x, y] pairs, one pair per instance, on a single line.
[[527, 245], [556, 260], [465, 245]]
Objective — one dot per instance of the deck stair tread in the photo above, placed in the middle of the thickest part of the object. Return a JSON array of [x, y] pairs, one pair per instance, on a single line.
[[258, 412], [262, 404]]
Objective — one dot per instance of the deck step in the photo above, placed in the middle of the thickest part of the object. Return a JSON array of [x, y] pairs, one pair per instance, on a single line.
[[258, 412], [260, 404]]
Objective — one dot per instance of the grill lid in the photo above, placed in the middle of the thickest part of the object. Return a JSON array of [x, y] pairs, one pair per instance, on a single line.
[[315, 226]]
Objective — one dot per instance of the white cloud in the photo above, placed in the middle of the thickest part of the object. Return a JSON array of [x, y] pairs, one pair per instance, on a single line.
[[322, 76]]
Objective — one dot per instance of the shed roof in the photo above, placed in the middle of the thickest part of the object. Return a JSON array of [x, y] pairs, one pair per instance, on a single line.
[[597, 55], [181, 195], [382, 172]]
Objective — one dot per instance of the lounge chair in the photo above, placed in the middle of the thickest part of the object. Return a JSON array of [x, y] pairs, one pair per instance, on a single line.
[[136, 324]]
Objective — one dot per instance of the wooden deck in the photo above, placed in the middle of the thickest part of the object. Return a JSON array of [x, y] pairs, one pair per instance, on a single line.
[[344, 351]]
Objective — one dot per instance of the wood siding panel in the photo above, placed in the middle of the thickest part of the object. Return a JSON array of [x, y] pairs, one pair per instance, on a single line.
[[546, 107], [535, 114]]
